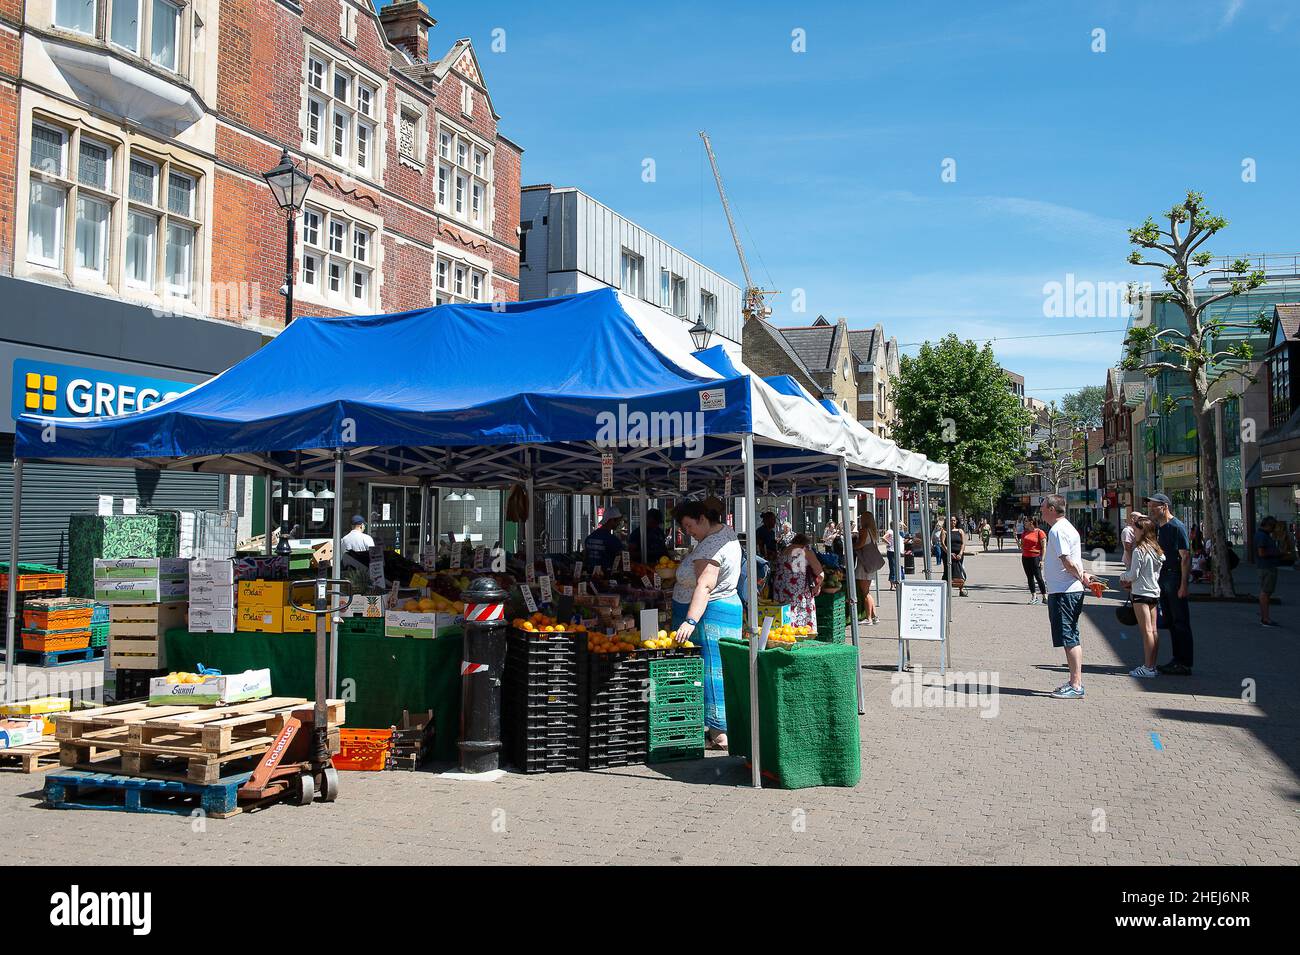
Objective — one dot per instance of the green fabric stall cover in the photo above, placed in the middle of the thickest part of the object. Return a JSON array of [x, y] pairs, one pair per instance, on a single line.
[[390, 674], [808, 712]]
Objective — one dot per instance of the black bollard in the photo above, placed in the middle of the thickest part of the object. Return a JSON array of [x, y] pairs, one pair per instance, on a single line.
[[482, 665]]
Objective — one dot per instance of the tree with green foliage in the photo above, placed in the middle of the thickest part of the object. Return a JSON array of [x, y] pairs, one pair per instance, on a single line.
[[1084, 407], [952, 403], [1194, 353], [1057, 457]]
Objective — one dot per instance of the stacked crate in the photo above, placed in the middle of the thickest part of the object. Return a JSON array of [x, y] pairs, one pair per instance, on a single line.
[[618, 713], [56, 628], [92, 537], [544, 701], [35, 582], [146, 598], [212, 596], [831, 619], [99, 625], [677, 707]]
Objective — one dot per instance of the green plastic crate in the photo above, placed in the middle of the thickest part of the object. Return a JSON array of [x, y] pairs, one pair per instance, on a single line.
[[681, 668], [677, 737], [372, 626], [99, 634], [675, 754], [684, 716]]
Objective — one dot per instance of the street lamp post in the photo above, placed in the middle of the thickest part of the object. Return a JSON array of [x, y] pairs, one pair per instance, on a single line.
[[288, 184], [1154, 418]]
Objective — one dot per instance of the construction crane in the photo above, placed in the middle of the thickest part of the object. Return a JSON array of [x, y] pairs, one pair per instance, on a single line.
[[755, 306]]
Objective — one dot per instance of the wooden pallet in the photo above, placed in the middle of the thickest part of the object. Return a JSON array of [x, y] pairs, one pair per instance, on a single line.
[[80, 789], [59, 658], [32, 758], [182, 741]]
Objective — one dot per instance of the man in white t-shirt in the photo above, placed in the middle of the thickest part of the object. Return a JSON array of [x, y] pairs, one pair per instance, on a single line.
[[1066, 584], [358, 541]]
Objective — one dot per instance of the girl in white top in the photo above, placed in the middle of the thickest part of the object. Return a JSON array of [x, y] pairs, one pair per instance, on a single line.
[[1142, 580]]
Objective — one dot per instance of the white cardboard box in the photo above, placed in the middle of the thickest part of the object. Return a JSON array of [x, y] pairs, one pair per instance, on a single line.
[[227, 688], [212, 596], [213, 571], [140, 590], [141, 568], [425, 626], [216, 621]]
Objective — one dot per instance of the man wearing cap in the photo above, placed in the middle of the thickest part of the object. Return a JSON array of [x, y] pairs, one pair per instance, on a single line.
[[358, 541], [602, 545], [1174, 575]]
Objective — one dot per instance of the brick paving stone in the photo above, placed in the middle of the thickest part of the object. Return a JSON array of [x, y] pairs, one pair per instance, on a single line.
[[938, 784]]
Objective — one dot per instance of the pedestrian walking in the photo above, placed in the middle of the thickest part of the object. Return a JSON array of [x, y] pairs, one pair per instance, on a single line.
[[1066, 584], [1032, 542], [1000, 531], [867, 562], [955, 546], [895, 569], [1267, 558], [1175, 574], [1020, 529], [985, 532], [1141, 578], [1127, 535]]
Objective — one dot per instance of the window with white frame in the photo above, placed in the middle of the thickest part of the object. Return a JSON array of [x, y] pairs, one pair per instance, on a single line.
[[464, 177], [708, 309], [338, 259], [633, 271], [458, 281], [341, 112], [153, 30], [679, 296], [88, 217]]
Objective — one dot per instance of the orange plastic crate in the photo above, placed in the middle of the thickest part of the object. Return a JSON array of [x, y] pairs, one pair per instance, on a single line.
[[36, 582], [52, 642], [363, 750], [69, 618]]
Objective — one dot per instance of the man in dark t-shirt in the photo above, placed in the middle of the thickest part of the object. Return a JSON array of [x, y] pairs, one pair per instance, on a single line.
[[1174, 576], [765, 539]]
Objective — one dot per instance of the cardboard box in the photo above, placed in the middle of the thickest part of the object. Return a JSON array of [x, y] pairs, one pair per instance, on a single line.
[[262, 568], [425, 626], [366, 605], [37, 707], [21, 732], [259, 620], [142, 568], [145, 591], [214, 571], [263, 593], [780, 613], [207, 620], [295, 621], [212, 595], [136, 653], [224, 689]]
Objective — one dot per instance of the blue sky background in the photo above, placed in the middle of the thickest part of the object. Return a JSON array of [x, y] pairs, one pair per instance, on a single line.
[[833, 156]]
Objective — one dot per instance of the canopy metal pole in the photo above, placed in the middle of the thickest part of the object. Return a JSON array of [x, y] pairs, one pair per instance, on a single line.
[[925, 522], [643, 502], [424, 520], [339, 456], [852, 607], [270, 502], [897, 524], [531, 521], [751, 606], [11, 605]]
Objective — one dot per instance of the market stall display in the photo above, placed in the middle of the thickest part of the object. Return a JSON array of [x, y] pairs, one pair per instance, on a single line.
[[810, 733], [94, 537]]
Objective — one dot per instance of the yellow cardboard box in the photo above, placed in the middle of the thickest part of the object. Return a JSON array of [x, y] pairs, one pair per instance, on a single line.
[[295, 621], [264, 593], [260, 619]]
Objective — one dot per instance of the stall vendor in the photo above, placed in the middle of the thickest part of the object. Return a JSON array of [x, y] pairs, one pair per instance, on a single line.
[[358, 541], [706, 607], [656, 544], [602, 545]]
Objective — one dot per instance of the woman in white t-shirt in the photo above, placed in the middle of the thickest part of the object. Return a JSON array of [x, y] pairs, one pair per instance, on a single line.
[[706, 607], [1129, 535]]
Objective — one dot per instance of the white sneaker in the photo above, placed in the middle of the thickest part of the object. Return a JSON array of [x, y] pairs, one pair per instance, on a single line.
[[1144, 672], [1033, 598]]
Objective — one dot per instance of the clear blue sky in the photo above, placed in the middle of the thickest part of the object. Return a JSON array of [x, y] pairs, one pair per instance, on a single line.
[[833, 156]]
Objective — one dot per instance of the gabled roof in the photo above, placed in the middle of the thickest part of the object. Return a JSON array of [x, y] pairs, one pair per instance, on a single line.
[[1288, 317], [864, 342], [778, 336]]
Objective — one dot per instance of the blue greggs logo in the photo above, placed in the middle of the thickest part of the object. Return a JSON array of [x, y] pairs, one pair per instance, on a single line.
[[67, 391]]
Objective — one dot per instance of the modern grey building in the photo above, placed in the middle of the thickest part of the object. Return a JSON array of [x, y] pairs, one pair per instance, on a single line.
[[571, 243]]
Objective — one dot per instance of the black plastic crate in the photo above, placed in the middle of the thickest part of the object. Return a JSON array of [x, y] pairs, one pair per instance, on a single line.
[[630, 751], [133, 684], [546, 758]]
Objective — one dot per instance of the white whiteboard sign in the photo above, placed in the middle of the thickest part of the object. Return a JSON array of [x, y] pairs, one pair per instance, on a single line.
[[925, 614]]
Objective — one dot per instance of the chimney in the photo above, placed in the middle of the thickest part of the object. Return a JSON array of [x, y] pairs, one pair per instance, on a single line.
[[406, 23]]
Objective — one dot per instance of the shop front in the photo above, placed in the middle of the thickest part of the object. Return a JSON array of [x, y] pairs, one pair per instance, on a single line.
[[1179, 478], [71, 355]]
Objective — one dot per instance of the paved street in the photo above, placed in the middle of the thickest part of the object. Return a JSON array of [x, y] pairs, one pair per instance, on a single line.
[[1042, 782]]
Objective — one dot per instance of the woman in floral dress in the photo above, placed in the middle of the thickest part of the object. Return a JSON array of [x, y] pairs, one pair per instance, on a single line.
[[797, 580]]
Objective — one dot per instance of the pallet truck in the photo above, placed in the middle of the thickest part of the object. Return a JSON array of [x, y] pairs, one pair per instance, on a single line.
[[298, 766]]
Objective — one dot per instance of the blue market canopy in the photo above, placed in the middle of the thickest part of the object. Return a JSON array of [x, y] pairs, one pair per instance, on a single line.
[[480, 395]]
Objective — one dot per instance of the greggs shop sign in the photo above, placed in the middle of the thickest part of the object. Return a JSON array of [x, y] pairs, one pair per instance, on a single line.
[[68, 391]]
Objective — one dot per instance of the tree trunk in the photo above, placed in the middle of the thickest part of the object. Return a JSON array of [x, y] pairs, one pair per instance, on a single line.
[[1212, 522]]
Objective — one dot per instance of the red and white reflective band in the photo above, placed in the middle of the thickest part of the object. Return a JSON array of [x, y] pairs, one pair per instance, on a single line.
[[469, 669], [478, 613]]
